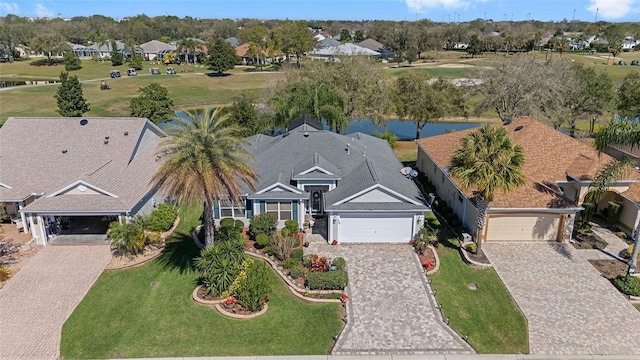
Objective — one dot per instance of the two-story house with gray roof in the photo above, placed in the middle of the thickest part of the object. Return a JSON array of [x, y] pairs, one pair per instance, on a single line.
[[354, 181], [85, 171]]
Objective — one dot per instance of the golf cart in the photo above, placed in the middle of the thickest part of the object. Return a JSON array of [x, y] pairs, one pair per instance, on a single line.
[[104, 86], [171, 71], [154, 71], [132, 72], [115, 74]]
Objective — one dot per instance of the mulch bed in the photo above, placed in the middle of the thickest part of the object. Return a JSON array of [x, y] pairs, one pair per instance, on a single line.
[[588, 241], [478, 257], [428, 259]]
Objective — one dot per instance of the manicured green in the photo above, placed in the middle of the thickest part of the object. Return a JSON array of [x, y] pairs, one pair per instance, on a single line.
[[148, 312], [488, 315], [637, 306]]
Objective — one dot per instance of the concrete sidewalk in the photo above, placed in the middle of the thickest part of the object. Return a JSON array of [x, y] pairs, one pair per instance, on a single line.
[[415, 357]]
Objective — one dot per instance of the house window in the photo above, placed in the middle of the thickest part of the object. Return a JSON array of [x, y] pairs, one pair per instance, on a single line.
[[235, 209], [460, 198], [442, 179], [279, 210]]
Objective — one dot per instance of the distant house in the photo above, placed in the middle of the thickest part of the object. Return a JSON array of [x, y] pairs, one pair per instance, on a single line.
[[86, 171], [351, 185], [558, 170], [233, 41], [242, 51], [347, 49], [371, 44], [83, 52], [629, 43], [154, 47], [329, 42]]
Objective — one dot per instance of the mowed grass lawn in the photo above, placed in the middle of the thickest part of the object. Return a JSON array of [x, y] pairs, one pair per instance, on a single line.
[[148, 312], [489, 315], [185, 89]]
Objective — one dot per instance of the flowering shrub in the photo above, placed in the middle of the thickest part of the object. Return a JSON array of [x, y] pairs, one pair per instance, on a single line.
[[428, 264], [334, 242], [344, 298], [319, 264], [252, 287], [230, 300]]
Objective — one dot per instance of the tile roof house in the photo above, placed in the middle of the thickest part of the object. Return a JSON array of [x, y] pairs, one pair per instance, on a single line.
[[558, 171], [353, 181], [77, 168]]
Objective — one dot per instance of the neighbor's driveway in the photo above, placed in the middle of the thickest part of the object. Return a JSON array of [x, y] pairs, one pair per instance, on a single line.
[[391, 309], [35, 304], [570, 308]]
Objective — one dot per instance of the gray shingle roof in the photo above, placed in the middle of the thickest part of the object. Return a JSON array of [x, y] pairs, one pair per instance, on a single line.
[[347, 49], [361, 160], [155, 46], [45, 155], [371, 44]]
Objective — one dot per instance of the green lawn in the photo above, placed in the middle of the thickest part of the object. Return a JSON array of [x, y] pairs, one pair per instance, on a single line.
[[123, 316], [433, 71], [488, 315], [637, 306]]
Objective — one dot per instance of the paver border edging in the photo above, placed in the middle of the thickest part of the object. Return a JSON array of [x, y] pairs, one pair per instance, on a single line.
[[472, 263], [163, 237], [194, 296], [436, 267], [242, 317]]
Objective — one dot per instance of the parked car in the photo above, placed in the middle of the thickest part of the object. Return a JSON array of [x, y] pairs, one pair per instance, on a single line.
[[635, 63], [154, 71], [621, 62], [115, 74], [132, 72], [171, 71]]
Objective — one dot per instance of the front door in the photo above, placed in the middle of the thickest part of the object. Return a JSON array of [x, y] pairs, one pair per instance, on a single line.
[[317, 198]]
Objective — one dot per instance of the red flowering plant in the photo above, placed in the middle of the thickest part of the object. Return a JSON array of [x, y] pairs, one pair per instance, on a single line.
[[334, 242], [230, 300], [344, 298], [428, 264]]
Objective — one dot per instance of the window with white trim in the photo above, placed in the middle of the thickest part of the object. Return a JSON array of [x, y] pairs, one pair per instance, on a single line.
[[279, 210], [230, 208]]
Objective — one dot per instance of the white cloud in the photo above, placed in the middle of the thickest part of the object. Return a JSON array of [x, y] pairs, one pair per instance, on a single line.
[[8, 8], [42, 11], [613, 9], [418, 5]]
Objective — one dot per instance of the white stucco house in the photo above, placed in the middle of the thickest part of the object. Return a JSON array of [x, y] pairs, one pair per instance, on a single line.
[[88, 171], [558, 171], [352, 181]]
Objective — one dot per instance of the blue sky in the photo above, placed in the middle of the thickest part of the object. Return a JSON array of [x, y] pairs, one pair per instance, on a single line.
[[436, 10]]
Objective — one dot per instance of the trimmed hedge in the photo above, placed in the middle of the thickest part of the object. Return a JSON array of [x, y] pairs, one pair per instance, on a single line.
[[297, 255], [162, 218], [227, 222], [292, 225], [629, 285], [262, 223], [262, 240], [327, 280]]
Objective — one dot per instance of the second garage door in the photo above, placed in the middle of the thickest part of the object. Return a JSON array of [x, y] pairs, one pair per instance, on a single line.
[[383, 228], [523, 228]]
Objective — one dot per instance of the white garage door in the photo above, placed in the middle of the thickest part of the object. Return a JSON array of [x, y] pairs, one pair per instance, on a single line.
[[524, 227], [383, 228]]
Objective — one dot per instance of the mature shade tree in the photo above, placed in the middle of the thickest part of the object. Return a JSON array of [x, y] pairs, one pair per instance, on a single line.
[[49, 45], [595, 97], [358, 36], [614, 34], [260, 43], [345, 36], [153, 103], [69, 96], [476, 46], [221, 56], [293, 38], [629, 96], [205, 162], [403, 46], [487, 162], [321, 101], [621, 133], [243, 114], [560, 94], [422, 100]]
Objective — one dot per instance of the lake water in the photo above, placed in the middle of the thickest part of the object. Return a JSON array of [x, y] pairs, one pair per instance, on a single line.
[[404, 130]]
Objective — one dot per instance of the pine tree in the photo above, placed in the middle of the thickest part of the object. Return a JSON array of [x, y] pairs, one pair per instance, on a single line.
[[71, 101]]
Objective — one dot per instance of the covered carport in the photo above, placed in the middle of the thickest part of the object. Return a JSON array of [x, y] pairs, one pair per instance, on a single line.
[[82, 230]]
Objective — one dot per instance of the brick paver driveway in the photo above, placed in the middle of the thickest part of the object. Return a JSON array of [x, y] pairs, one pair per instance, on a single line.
[[391, 309], [570, 308], [35, 304]]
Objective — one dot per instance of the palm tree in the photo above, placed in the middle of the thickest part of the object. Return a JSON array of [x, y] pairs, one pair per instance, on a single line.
[[622, 133], [206, 162], [489, 162]]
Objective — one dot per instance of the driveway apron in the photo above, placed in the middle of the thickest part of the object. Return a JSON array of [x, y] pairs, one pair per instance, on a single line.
[[38, 300], [570, 307], [391, 309]]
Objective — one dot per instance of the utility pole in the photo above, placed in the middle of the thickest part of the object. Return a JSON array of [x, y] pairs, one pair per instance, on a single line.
[[574, 16], [596, 20]]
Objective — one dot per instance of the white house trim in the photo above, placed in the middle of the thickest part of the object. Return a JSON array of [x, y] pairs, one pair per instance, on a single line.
[[279, 184], [5, 186], [380, 187], [314, 169], [81, 183]]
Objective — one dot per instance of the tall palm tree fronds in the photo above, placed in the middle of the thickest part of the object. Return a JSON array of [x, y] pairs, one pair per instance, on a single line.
[[205, 162], [606, 178], [488, 161], [618, 132]]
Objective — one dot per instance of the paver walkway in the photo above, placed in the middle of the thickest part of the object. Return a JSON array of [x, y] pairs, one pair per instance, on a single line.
[[35, 304], [391, 309], [570, 307]]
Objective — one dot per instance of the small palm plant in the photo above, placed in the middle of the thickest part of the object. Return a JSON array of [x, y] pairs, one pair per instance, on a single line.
[[130, 237]]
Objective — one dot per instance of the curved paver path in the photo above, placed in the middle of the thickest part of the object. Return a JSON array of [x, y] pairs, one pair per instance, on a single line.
[[570, 308], [391, 309], [35, 304]]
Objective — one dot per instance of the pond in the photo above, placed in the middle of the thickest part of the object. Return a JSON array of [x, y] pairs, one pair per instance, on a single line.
[[404, 130]]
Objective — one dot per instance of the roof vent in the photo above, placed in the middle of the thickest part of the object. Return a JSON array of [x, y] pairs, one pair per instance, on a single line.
[[106, 137], [306, 134], [106, 141], [506, 122], [518, 128], [64, 151], [126, 133], [84, 122]]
